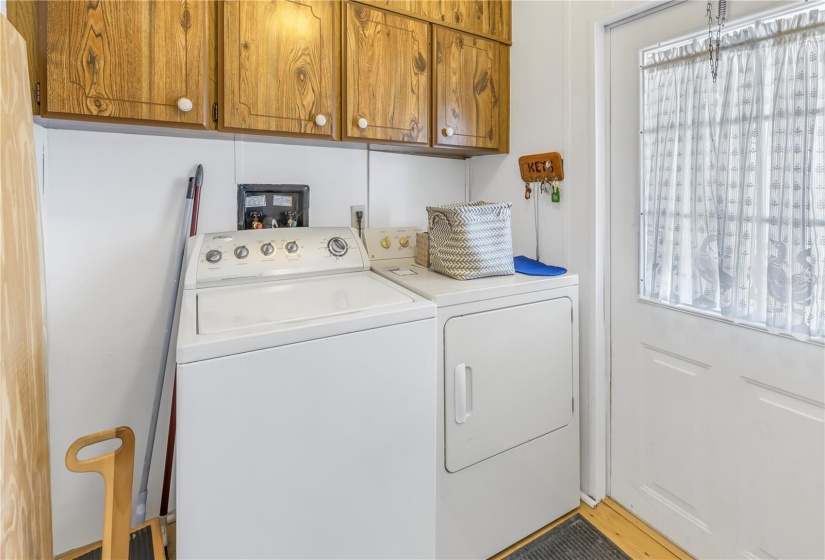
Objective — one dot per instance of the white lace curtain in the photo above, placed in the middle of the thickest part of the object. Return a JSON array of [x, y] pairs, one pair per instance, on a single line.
[[733, 179]]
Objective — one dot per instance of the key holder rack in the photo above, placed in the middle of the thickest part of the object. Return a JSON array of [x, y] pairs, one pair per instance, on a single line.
[[546, 170]]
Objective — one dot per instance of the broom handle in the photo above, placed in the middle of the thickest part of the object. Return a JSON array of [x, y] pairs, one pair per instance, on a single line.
[[170, 438], [139, 514]]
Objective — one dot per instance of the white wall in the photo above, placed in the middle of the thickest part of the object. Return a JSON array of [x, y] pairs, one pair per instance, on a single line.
[[554, 75], [111, 215]]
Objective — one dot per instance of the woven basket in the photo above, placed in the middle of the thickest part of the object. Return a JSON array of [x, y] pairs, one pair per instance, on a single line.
[[422, 249], [471, 240]]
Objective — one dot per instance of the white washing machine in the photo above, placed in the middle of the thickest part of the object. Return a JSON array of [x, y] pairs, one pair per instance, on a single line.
[[508, 386], [306, 410]]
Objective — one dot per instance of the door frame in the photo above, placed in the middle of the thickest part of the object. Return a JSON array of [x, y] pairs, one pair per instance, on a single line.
[[598, 427]]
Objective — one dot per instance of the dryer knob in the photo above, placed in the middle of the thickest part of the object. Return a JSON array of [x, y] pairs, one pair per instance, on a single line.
[[404, 241], [385, 243], [214, 256]]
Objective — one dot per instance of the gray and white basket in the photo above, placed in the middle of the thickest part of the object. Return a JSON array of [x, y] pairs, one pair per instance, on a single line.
[[471, 240]]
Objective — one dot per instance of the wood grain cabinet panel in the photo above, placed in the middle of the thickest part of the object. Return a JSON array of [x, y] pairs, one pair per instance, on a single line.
[[279, 66], [469, 90], [387, 76], [125, 60], [489, 18], [22, 14]]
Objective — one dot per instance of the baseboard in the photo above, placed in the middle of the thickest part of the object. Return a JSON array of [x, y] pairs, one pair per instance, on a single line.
[[589, 501]]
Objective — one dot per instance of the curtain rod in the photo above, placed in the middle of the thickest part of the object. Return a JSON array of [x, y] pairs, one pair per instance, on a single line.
[[701, 54]]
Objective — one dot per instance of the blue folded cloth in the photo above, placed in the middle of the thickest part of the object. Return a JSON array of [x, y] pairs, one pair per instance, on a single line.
[[533, 267]]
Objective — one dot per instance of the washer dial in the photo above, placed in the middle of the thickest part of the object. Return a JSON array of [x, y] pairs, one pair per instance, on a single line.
[[291, 247], [241, 252], [337, 247], [267, 249], [214, 256]]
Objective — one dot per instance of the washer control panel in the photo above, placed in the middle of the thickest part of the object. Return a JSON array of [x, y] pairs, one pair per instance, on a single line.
[[236, 257], [391, 243]]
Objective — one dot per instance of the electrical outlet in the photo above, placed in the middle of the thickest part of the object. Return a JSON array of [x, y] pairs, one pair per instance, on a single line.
[[354, 217]]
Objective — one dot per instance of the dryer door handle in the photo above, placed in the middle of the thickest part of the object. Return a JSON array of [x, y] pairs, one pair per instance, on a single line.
[[463, 392]]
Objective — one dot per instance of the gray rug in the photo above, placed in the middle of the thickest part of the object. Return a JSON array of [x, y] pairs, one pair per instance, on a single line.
[[575, 539]]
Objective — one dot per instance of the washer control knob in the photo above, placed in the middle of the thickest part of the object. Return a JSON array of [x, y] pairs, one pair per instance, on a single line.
[[404, 241], [291, 247], [214, 256], [241, 252], [337, 247], [385, 243], [267, 249]]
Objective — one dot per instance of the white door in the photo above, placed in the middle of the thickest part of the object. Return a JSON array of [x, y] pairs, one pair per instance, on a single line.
[[716, 429], [505, 384]]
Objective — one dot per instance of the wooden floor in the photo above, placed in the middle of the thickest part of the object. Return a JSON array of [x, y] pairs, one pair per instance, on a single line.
[[637, 539]]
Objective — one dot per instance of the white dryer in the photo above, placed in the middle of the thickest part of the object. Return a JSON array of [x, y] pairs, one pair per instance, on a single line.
[[508, 424], [306, 411]]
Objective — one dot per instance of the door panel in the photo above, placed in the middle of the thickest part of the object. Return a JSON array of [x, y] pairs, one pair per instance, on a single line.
[[387, 76], [126, 60], [508, 379], [716, 429], [467, 90], [279, 65], [673, 457]]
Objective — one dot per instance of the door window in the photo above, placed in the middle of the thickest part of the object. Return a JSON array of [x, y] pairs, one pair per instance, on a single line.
[[733, 175]]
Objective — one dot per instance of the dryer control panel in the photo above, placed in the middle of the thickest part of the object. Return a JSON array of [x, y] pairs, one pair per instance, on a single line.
[[391, 243], [237, 257]]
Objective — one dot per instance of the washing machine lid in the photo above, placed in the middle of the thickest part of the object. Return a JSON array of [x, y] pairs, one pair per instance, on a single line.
[[287, 302], [224, 321], [444, 290]]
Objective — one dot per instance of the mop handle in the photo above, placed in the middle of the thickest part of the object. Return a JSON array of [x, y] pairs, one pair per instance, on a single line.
[[139, 515]]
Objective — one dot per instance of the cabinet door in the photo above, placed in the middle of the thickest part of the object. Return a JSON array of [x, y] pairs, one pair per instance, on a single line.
[[279, 66], [126, 59], [468, 91], [488, 18], [387, 76]]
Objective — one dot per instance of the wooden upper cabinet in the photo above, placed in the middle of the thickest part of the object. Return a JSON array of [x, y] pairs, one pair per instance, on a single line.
[[471, 93], [125, 60], [387, 76], [279, 66], [489, 18]]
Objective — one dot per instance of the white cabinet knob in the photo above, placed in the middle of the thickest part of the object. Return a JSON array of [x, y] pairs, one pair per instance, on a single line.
[[185, 104], [362, 123], [448, 131], [320, 120]]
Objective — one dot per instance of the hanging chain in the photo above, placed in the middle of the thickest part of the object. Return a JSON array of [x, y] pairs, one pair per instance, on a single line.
[[715, 46], [709, 15]]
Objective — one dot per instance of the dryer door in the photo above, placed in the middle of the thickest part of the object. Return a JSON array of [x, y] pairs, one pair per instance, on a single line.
[[508, 379]]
